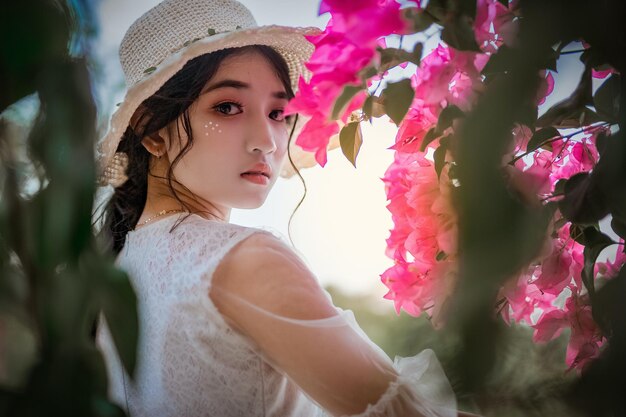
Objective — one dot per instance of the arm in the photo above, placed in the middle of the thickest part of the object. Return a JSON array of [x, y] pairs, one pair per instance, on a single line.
[[266, 292]]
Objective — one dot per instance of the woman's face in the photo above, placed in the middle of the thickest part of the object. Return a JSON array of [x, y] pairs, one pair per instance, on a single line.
[[240, 135]]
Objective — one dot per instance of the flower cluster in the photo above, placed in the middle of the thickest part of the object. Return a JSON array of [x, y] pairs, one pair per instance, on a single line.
[[342, 50], [549, 295]]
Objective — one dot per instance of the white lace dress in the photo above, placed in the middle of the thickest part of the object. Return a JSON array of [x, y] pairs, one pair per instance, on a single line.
[[191, 362]]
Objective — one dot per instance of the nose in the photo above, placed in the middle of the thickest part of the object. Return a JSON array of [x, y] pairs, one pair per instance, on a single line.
[[261, 136]]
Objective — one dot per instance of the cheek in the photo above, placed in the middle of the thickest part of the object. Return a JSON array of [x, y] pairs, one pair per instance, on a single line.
[[211, 128]]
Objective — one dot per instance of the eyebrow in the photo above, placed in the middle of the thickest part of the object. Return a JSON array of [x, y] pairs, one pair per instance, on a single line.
[[240, 85]]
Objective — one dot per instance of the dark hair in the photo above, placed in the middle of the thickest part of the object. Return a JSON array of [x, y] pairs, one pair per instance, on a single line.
[[165, 106]]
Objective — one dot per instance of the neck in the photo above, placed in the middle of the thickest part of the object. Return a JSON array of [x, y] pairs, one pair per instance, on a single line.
[[160, 197]]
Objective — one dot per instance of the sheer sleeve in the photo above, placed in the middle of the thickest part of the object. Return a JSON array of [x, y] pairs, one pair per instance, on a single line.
[[266, 292]]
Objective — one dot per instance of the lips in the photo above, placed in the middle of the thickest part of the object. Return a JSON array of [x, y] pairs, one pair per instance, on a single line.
[[260, 169]]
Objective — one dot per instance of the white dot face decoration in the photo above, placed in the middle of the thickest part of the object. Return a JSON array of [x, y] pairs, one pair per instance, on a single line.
[[213, 127]]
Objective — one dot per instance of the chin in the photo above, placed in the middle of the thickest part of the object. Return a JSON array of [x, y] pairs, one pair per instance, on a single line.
[[252, 203]]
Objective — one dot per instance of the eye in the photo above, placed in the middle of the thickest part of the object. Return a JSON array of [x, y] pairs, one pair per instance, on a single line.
[[227, 106], [278, 115]]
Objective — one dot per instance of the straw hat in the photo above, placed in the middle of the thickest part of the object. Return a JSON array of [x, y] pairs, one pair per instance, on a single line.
[[159, 44]]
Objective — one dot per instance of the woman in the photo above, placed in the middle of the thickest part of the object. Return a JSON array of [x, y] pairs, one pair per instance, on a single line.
[[232, 323]]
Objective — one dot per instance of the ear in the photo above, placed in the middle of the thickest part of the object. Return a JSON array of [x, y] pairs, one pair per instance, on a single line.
[[155, 144]]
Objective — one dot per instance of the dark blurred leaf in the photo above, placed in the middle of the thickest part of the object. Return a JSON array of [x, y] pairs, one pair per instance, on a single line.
[[572, 112], [439, 155], [583, 202], [431, 135], [398, 97], [607, 99], [459, 34], [447, 116], [502, 60], [368, 72], [119, 306], [373, 107], [341, 104], [391, 57], [499, 62], [594, 241], [418, 18], [38, 36], [619, 227], [351, 139], [540, 136]]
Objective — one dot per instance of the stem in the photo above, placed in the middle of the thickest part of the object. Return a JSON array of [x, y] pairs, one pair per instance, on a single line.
[[555, 138], [577, 51]]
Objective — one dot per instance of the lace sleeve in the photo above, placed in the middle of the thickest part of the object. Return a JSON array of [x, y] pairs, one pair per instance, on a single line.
[[268, 294]]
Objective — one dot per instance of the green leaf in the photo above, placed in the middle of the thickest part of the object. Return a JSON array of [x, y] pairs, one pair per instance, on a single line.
[[619, 227], [351, 139], [418, 18], [572, 112], [501, 61], [431, 135], [583, 201], [459, 34], [595, 242], [447, 116], [119, 306], [398, 97], [373, 107], [607, 98], [541, 136], [440, 155], [349, 91], [391, 57], [441, 255], [211, 31], [417, 53], [149, 70], [368, 72]]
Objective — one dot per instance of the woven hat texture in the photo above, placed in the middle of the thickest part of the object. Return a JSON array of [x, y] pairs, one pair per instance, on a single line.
[[164, 39]]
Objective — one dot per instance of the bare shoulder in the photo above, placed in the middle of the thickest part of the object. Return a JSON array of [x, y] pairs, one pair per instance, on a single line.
[[266, 272]]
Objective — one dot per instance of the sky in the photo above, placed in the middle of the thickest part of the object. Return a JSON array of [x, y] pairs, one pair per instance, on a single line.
[[341, 227]]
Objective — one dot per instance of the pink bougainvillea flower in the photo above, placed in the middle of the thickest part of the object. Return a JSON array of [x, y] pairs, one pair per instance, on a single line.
[[493, 25], [413, 128], [585, 339], [545, 87], [424, 224], [555, 271], [601, 74], [550, 325]]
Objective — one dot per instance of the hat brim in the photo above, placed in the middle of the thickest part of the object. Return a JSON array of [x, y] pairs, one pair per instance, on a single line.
[[290, 42]]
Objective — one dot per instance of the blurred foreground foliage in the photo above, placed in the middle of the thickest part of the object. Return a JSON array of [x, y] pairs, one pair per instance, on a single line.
[[54, 277]]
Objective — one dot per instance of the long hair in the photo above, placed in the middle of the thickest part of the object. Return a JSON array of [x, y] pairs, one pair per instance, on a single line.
[[168, 104]]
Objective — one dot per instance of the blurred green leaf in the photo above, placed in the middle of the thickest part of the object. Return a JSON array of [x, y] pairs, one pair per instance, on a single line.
[[459, 34], [447, 116], [439, 155], [583, 201], [607, 99], [418, 18], [619, 227], [430, 136], [398, 97], [119, 306], [341, 104], [540, 137], [594, 241]]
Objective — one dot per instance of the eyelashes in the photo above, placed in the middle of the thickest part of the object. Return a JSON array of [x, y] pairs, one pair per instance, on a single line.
[[224, 107]]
